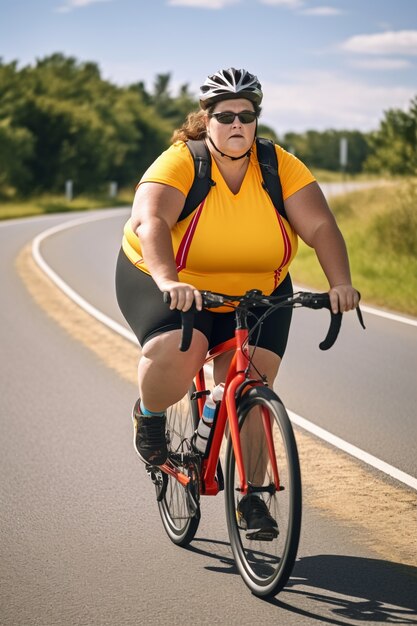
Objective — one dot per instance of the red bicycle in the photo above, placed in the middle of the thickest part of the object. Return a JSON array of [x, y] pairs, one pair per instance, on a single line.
[[261, 454]]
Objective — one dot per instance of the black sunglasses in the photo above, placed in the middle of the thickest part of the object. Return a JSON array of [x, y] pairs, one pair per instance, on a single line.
[[228, 117]]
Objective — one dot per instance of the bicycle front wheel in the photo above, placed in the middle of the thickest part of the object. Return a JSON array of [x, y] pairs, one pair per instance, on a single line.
[[179, 505], [265, 565]]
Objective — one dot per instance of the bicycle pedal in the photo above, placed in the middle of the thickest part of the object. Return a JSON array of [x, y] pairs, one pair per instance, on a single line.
[[263, 535]]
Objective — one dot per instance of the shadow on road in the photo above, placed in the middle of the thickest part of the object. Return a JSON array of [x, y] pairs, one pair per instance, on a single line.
[[385, 592], [352, 588]]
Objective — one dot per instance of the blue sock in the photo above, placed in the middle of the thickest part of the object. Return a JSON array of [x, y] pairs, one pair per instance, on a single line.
[[145, 411]]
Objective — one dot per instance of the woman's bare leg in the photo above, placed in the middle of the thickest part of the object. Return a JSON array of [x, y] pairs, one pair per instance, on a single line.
[[164, 373]]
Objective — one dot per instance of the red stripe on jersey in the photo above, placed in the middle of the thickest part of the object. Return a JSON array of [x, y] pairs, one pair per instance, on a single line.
[[287, 250], [184, 247]]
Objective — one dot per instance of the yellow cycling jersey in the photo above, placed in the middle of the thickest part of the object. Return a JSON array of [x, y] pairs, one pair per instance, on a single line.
[[231, 242]]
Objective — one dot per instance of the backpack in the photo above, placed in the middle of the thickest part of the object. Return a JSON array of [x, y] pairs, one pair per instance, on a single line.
[[203, 182]]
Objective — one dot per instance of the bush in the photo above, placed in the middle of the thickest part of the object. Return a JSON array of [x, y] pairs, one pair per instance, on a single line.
[[397, 230]]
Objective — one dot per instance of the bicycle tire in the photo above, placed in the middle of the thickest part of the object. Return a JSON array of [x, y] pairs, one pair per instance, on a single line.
[[178, 505], [266, 566]]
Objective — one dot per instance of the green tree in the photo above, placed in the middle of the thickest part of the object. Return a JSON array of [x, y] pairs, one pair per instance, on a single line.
[[394, 145], [174, 109], [63, 121], [140, 135], [268, 132], [322, 149], [16, 148], [16, 141]]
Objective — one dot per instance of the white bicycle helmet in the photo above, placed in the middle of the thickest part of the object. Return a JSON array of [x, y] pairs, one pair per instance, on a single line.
[[228, 84]]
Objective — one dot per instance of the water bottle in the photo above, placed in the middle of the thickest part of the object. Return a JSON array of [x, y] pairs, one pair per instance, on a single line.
[[206, 422]]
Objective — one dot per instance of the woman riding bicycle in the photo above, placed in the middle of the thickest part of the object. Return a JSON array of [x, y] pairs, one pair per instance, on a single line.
[[238, 242]]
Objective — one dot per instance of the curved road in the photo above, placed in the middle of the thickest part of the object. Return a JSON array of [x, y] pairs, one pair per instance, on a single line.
[[80, 538], [362, 390]]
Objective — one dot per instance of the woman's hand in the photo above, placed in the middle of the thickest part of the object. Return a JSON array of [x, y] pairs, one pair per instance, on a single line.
[[343, 298], [182, 295]]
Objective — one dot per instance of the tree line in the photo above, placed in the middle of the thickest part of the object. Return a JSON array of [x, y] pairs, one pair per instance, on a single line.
[[60, 120]]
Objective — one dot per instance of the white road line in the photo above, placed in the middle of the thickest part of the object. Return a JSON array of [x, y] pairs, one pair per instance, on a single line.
[[53, 216], [101, 317], [369, 459], [350, 449]]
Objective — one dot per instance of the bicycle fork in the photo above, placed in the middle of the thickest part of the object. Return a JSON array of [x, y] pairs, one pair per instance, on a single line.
[[245, 487]]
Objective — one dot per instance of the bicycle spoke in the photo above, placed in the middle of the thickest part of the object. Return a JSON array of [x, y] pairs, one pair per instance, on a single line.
[[178, 512]]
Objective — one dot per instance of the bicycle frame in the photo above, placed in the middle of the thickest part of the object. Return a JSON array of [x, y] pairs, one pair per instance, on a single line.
[[236, 377]]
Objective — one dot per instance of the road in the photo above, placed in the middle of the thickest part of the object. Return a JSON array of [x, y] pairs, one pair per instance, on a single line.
[[80, 538]]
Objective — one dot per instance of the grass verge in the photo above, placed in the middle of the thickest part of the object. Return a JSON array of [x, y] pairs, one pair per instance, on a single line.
[[327, 176], [46, 204], [380, 229]]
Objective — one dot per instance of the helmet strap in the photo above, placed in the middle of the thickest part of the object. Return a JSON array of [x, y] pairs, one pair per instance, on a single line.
[[223, 154]]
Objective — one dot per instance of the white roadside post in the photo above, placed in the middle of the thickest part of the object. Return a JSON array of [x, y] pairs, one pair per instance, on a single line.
[[343, 154], [113, 189], [69, 190]]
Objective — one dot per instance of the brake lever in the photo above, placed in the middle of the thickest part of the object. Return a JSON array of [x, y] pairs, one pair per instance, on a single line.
[[360, 317]]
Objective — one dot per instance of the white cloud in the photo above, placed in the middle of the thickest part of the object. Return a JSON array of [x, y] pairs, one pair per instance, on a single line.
[[290, 4], [323, 11], [296, 5], [300, 6], [324, 100], [381, 64], [77, 4], [391, 42], [202, 4]]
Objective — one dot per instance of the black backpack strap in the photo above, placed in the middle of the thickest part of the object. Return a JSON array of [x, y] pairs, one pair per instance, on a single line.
[[202, 176], [268, 162], [203, 182]]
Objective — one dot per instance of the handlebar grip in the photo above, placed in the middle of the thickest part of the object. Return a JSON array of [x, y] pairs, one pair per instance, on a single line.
[[187, 324], [335, 324], [332, 333], [322, 301]]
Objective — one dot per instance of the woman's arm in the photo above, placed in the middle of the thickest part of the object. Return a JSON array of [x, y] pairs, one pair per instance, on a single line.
[[155, 211], [310, 216]]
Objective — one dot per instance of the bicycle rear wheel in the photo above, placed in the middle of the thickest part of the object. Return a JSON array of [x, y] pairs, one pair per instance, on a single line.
[[265, 566], [179, 505]]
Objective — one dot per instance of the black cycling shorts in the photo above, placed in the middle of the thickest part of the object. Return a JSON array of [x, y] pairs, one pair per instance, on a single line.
[[142, 305]]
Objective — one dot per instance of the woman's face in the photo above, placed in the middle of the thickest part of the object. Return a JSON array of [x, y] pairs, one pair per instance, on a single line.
[[234, 138]]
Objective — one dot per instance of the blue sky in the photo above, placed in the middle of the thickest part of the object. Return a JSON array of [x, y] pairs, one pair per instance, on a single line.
[[322, 63]]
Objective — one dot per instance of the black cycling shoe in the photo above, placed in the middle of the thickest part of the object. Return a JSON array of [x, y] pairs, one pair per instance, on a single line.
[[253, 516], [149, 437]]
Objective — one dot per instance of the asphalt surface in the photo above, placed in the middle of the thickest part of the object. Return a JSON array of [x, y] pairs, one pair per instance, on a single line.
[[80, 538]]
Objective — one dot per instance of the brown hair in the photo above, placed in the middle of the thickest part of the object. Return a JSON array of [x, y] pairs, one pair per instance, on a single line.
[[194, 127]]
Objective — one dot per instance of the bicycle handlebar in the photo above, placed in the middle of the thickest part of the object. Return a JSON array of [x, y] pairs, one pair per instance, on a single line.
[[255, 298]]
